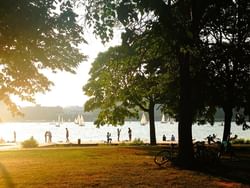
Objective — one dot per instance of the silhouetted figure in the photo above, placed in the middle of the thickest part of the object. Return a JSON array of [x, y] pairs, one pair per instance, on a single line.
[[164, 138], [67, 135], [46, 136], [50, 137], [210, 139], [118, 134], [226, 146], [109, 139], [129, 134], [14, 136], [172, 138]]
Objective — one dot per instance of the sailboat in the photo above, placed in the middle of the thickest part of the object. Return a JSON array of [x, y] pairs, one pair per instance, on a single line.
[[163, 119], [79, 120], [143, 119], [59, 121]]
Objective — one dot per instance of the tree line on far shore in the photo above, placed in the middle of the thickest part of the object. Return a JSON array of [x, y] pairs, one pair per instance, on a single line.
[[50, 114]]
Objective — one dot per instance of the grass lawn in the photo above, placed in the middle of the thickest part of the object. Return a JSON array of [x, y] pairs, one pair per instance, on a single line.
[[105, 166]]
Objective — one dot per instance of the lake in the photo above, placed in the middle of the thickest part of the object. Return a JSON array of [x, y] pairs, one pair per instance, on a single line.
[[90, 134]]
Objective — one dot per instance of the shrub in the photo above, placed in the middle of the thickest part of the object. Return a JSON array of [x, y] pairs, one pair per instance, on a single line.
[[30, 143], [241, 141], [247, 142], [137, 141], [238, 141]]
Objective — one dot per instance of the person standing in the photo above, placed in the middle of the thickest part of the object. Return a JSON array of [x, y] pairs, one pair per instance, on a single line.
[[129, 134], [118, 134], [46, 136], [172, 138], [14, 136], [67, 135], [50, 136], [109, 139]]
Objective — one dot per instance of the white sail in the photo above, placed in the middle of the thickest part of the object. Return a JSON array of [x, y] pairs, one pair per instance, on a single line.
[[58, 121], [76, 120], [163, 119], [143, 119], [81, 121], [61, 120]]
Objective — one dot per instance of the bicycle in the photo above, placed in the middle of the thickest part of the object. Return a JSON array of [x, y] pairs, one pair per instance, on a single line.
[[165, 155], [205, 154]]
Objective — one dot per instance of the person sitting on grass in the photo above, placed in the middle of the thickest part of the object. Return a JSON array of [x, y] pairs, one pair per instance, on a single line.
[[226, 146], [210, 139]]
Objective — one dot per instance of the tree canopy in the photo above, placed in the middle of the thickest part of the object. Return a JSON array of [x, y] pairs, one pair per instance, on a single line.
[[186, 26], [36, 35], [123, 81]]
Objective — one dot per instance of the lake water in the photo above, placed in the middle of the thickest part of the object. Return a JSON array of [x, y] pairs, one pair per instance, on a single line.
[[90, 134]]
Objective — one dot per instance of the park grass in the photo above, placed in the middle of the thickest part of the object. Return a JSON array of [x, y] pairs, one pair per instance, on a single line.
[[99, 166]]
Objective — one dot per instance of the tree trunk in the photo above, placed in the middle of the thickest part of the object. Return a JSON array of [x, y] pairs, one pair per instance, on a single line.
[[152, 123], [228, 111], [186, 112]]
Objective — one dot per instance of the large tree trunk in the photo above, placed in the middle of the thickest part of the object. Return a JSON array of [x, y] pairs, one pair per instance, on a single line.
[[228, 111], [152, 123], [186, 115]]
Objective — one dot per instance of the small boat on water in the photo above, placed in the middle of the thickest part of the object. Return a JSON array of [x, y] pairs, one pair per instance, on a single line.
[[144, 120], [79, 120], [59, 121], [163, 119]]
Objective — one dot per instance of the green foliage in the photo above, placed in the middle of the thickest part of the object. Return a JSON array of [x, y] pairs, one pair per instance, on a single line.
[[241, 141], [118, 80], [137, 141], [209, 40], [30, 143], [35, 36]]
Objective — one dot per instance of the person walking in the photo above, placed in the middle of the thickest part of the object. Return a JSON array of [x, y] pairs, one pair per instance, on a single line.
[[67, 135]]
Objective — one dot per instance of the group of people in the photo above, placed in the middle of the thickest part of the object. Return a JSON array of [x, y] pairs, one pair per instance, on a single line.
[[109, 139], [164, 138], [48, 137], [211, 139]]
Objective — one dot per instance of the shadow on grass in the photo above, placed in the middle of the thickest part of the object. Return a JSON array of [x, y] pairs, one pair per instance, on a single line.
[[6, 177], [238, 171], [234, 170]]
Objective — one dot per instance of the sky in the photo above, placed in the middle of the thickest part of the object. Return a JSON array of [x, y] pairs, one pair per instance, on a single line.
[[67, 89]]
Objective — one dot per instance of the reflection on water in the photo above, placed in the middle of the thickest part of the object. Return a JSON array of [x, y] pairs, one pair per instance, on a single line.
[[89, 133]]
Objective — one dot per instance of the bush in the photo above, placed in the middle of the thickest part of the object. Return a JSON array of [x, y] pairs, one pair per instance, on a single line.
[[30, 143], [238, 141], [137, 141], [241, 141]]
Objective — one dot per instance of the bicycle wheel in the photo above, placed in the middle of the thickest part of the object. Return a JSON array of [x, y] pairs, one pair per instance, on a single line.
[[162, 157]]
